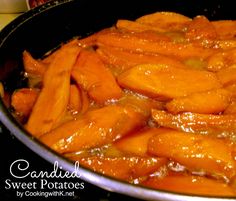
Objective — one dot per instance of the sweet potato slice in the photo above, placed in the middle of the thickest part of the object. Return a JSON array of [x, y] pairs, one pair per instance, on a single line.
[[75, 99], [138, 43], [201, 28], [125, 59], [23, 100], [214, 101], [92, 75], [167, 21], [221, 60], [136, 26], [190, 184], [141, 104], [195, 151], [164, 82], [137, 143], [224, 125], [95, 129], [126, 168], [54, 96], [232, 89], [231, 109], [33, 66], [227, 76], [225, 29]]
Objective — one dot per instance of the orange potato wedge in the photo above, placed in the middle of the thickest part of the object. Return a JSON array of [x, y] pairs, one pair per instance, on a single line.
[[33, 66], [140, 104], [166, 21], [221, 60], [94, 129], [215, 125], [227, 76], [195, 151], [23, 100], [92, 75], [164, 82], [214, 101], [136, 26], [54, 96], [232, 89], [137, 143], [139, 43], [75, 99], [191, 185], [124, 59], [91, 40], [201, 28], [225, 29], [125, 168], [231, 109]]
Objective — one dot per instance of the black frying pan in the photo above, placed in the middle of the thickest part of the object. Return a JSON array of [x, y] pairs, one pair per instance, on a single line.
[[45, 27]]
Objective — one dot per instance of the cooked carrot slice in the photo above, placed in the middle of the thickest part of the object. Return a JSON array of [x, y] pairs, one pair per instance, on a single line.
[[159, 81], [168, 21], [190, 184], [201, 28], [221, 60], [95, 129], [224, 125], [124, 59], [23, 100], [195, 151], [137, 43], [33, 66], [227, 76], [54, 96], [93, 76], [126, 168], [214, 101], [75, 99], [137, 143], [226, 29]]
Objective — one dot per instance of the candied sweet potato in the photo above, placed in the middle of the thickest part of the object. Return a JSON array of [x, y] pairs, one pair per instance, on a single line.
[[166, 21], [190, 184], [139, 43], [137, 143], [201, 28], [164, 82], [23, 100], [227, 76], [195, 151], [94, 129], [126, 168], [224, 125], [33, 66], [75, 99], [221, 60], [225, 29], [54, 96], [93, 76], [124, 59], [209, 102]]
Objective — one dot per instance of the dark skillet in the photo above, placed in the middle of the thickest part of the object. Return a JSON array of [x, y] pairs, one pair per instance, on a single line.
[[45, 27]]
